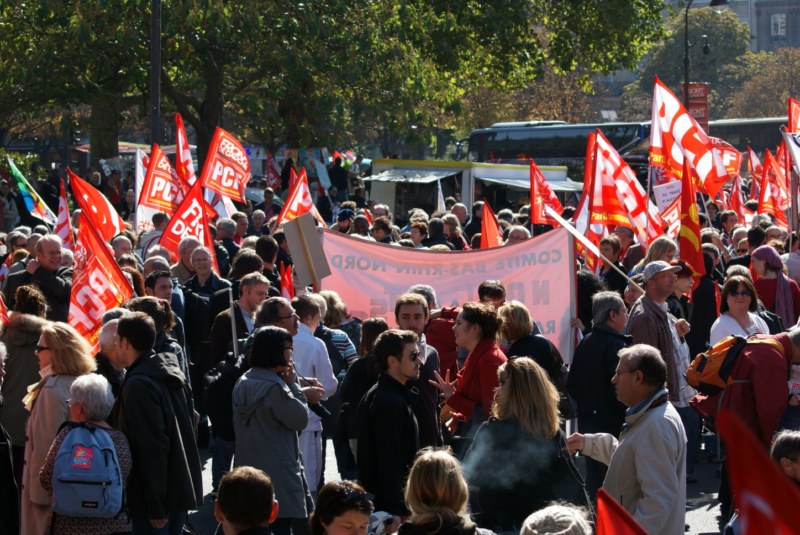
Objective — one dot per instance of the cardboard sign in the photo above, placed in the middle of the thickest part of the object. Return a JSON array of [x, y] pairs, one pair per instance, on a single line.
[[302, 236]]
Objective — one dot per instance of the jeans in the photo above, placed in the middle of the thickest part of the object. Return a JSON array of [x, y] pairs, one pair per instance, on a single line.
[[221, 457], [174, 525], [691, 424]]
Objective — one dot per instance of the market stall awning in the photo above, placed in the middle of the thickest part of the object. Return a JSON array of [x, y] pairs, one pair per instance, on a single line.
[[517, 176], [418, 176]]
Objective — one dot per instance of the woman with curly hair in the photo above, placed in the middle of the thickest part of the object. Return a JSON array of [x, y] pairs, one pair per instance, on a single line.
[[21, 366], [63, 356], [469, 397]]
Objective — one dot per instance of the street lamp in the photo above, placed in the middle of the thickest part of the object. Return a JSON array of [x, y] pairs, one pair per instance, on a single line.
[[718, 6]]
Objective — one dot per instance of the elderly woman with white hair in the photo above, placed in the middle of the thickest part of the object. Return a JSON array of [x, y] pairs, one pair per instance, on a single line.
[[90, 403]]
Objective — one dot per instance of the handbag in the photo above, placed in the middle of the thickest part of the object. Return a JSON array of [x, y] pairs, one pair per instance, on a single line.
[[576, 475]]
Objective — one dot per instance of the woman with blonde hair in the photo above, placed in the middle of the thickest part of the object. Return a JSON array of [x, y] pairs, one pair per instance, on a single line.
[[63, 356], [524, 432], [662, 248], [453, 232], [437, 496]]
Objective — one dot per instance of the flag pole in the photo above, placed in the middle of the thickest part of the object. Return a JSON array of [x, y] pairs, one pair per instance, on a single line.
[[233, 325]]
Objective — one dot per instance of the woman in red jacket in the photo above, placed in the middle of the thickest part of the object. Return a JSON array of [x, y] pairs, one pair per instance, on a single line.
[[469, 397]]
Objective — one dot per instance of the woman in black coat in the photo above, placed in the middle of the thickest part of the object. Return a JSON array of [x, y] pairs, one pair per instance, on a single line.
[[516, 464], [589, 380]]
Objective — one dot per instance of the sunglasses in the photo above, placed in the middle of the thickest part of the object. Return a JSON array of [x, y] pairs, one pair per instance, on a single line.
[[39, 349], [740, 294], [743, 251], [414, 356]]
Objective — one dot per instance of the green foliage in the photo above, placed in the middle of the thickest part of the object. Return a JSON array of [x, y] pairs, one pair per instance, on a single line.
[[729, 63]]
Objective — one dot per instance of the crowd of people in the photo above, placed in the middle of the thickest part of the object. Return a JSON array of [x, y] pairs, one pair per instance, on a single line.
[[451, 422]]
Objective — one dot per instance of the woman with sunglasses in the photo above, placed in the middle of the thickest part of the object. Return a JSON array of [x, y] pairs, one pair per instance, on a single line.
[[738, 307], [518, 462], [63, 356]]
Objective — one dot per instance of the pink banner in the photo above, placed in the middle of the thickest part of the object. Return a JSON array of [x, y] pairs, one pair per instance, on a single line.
[[540, 272]]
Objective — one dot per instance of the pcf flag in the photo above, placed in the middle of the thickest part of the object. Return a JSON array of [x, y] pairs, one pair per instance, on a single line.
[[227, 168], [774, 198], [98, 283], [541, 196], [161, 190], [101, 213], [189, 220], [64, 227], [675, 135]]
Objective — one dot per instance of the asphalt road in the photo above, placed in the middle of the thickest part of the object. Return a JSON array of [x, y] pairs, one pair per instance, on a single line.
[[701, 515]]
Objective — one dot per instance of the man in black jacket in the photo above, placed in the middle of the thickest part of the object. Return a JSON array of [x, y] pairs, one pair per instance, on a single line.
[[45, 271], [155, 412], [388, 438], [411, 314]]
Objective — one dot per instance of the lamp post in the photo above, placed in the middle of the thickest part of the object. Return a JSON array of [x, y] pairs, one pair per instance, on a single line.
[[717, 5], [155, 71]]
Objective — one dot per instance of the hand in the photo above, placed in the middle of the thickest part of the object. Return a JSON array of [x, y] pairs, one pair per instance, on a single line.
[[313, 394], [288, 374], [575, 442], [311, 381], [576, 323], [394, 526], [31, 266], [794, 401], [683, 327], [444, 385], [158, 523], [449, 418]]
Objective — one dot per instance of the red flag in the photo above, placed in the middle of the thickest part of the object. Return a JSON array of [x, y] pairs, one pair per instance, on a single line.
[[689, 241], [541, 196], [293, 177], [184, 165], [299, 202], [101, 213], [98, 283], [336, 154], [160, 190], [368, 215], [287, 283], [582, 218], [227, 168], [766, 500], [4, 313], [620, 181], [794, 116], [675, 135], [63, 225], [730, 155], [490, 230], [273, 174], [774, 198], [190, 219], [613, 519], [756, 169], [743, 215]]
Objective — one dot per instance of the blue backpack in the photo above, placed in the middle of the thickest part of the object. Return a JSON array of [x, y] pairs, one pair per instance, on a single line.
[[87, 477]]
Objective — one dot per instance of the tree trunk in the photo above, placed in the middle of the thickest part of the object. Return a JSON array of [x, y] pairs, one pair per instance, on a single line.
[[104, 127]]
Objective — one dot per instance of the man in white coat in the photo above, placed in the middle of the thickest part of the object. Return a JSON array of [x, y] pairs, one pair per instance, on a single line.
[[647, 465]]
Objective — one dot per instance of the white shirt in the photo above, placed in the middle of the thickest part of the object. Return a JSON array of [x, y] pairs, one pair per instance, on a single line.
[[726, 325], [311, 360]]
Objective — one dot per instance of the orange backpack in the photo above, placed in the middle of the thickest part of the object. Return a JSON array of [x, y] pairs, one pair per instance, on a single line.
[[710, 372]]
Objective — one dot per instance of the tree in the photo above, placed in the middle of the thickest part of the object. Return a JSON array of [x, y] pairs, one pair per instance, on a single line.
[[724, 68], [775, 78]]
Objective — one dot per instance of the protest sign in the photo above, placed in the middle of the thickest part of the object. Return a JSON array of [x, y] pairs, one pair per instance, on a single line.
[[540, 272]]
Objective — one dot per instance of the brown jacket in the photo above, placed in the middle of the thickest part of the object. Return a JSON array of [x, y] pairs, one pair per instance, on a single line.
[[647, 324]]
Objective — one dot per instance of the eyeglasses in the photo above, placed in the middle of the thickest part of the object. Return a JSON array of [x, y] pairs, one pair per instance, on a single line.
[[414, 356], [740, 294], [39, 349]]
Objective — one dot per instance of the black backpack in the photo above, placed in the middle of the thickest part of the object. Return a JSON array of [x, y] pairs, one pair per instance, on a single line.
[[218, 389]]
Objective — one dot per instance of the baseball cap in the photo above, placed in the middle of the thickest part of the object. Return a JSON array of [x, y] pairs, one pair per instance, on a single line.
[[658, 266]]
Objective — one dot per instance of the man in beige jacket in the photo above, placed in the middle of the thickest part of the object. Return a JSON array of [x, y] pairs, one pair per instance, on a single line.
[[647, 465]]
